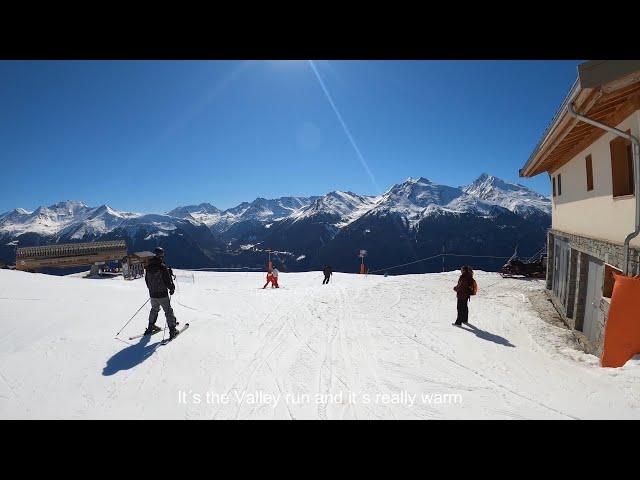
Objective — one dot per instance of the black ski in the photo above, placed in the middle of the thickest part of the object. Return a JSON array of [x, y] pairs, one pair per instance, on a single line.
[[164, 342]]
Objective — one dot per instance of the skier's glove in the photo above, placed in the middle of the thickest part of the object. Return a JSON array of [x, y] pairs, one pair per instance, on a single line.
[[171, 291]]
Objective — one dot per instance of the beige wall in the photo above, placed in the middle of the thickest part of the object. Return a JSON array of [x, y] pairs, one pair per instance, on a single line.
[[596, 213]]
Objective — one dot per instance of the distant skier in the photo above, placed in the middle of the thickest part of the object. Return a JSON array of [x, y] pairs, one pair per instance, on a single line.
[[464, 289], [327, 274], [270, 279], [160, 285], [275, 273]]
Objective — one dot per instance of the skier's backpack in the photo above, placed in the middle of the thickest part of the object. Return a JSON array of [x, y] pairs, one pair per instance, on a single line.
[[473, 286]]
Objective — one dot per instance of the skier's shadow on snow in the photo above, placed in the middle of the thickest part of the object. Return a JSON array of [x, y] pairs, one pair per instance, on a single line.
[[130, 356], [487, 336]]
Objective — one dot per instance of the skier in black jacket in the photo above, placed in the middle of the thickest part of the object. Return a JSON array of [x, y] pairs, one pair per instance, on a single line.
[[160, 285], [327, 274]]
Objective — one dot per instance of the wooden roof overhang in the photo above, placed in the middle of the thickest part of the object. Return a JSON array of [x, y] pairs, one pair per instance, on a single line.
[[610, 104]]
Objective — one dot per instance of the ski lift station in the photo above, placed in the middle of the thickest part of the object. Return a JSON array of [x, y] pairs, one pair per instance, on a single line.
[[69, 255], [134, 265]]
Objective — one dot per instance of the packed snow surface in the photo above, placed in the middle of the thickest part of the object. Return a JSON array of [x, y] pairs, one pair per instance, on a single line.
[[361, 347]]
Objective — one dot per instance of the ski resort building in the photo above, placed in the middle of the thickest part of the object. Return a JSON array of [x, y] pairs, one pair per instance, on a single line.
[[69, 255], [590, 153], [134, 265]]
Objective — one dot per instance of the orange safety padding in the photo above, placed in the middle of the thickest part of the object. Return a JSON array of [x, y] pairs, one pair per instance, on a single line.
[[622, 331]]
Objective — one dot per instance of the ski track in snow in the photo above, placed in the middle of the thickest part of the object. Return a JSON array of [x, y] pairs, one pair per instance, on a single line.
[[358, 335], [484, 377]]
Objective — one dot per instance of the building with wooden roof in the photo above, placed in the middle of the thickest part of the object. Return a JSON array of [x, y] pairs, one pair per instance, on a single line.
[[69, 255], [134, 265], [591, 153]]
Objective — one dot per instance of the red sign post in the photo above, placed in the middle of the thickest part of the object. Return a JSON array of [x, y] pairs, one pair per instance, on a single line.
[[362, 254]]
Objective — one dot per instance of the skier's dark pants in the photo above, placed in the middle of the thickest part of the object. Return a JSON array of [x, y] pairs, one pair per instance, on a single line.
[[463, 311], [326, 279], [165, 303]]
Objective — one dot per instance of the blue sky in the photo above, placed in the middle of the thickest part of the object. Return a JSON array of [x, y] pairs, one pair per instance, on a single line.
[[150, 135]]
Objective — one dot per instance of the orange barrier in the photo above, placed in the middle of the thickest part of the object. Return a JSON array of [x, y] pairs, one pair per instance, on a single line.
[[622, 331]]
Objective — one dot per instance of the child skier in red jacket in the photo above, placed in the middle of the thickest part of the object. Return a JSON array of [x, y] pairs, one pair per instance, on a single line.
[[270, 280]]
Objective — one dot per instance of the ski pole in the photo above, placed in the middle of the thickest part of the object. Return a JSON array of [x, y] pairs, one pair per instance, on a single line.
[[166, 324], [132, 317]]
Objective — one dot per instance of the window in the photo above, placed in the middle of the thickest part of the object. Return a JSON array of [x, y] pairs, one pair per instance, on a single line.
[[621, 167], [554, 186], [609, 280], [589, 165], [559, 185]]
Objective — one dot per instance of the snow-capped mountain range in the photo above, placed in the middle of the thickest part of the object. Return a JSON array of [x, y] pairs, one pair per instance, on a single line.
[[414, 198], [514, 197], [261, 210], [75, 220], [345, 206], [302, 226]]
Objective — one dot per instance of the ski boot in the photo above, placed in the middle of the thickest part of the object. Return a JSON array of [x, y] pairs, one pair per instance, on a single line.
[[173, 333], [151, 330]]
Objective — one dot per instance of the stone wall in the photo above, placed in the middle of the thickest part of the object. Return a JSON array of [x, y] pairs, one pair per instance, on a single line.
[[581, 249], [599, 343], [611, 253]]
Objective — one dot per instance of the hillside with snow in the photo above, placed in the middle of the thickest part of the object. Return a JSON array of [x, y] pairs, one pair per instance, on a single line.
[[514, 197], [362, 347], [260, 210], [344, 207]]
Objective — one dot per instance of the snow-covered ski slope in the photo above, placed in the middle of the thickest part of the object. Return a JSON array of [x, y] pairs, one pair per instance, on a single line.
[[359, 348]]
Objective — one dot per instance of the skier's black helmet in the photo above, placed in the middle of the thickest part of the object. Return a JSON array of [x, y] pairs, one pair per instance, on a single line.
[[159, 251]]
